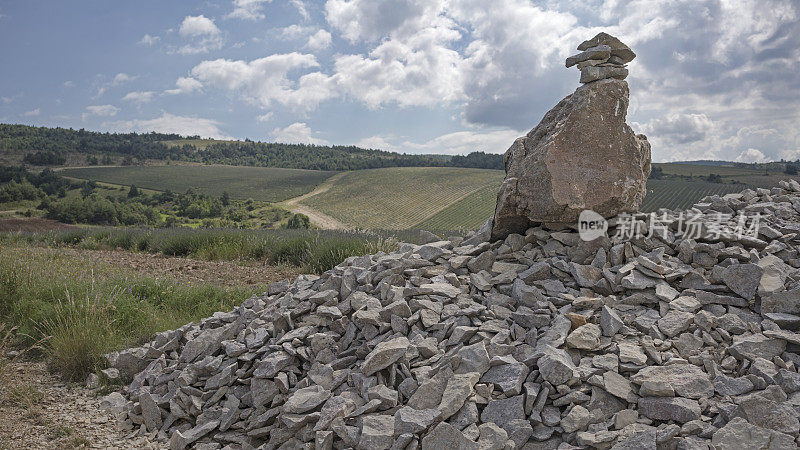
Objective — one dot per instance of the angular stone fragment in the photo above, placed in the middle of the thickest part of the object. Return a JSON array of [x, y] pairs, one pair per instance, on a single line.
[[756, 346], [507, 377], [618, 49], [686, 379], [594, 73], [738, 434], [586, 337], [610, 321], [459, 388], [787, 302], [502, 412], [410, 420], [447, 436], [675, 322], [600, 52], [743, 279], [561, 167], [306, 399], [577, 419], [679, 409], [556, 366], [384, 355], [767, 413], [377, 432], [492, 437]]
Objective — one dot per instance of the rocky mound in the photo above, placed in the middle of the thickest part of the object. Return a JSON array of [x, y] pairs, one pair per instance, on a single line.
[[541, 340], [582, 155]]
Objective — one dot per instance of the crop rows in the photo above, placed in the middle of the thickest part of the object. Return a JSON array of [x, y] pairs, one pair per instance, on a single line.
[[399, 198], [678, 194], [468, 213], [259, 183]]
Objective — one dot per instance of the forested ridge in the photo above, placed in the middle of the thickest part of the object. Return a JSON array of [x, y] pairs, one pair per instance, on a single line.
[[49, 146]]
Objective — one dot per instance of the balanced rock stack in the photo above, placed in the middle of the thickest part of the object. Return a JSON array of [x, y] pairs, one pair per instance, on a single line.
[[602, 56], [538, 341], [582, 155]]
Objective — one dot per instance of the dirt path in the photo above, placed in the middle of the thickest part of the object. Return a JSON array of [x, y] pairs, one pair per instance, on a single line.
[[39, 411], [318, 218]]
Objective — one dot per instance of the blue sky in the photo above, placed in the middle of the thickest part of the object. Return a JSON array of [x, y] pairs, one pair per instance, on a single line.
[[713, 79]]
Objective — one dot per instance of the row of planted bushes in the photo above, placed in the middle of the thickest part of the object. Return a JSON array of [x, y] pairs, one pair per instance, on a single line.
[[313, 251]]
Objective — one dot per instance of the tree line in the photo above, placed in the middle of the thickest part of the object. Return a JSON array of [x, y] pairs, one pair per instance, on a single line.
[[49, 146]]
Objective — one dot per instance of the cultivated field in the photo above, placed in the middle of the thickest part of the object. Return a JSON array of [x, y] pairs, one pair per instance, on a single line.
[[400, 198], [259, 183], [468, 213], [678, 194]]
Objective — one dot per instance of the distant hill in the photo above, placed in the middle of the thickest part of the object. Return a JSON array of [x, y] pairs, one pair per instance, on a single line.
[[42, 146]]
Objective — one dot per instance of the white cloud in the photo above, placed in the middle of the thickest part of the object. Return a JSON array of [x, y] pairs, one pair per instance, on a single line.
[[265, 117], [202, 34], [197, 26], [294, 31], [68, 84], [463, 142], [100, 111], [265, 81], [457, 143], [32, 113], [118, 79], [319, 40], [248, 9], [139, 97], [168, 123], [185, 85], [751, 155], [378, 143], [122, 78], [296, 133], [149, 40], [301, 8]]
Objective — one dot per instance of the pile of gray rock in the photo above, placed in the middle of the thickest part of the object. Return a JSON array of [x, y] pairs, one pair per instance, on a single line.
[[601, 57], [538, 341]]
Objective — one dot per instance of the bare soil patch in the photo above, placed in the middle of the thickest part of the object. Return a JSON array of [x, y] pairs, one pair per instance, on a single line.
[[30, 225], [225, 273]]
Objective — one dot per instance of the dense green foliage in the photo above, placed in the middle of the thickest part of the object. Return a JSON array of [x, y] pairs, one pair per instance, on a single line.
[[44, 159], [50, 144], [479, 160]]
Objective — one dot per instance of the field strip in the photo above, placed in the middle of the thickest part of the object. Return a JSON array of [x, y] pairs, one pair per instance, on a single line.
[[462, 197], [318, 218]]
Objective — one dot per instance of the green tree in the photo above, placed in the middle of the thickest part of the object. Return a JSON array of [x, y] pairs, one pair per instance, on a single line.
[[133, 191], [299, 221]]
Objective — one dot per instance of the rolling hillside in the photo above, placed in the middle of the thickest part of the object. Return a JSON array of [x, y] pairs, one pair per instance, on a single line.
[[400, 198], [434, 198], [259, 183]]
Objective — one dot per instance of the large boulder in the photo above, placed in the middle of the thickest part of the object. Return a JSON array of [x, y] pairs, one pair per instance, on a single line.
[[582, 155]]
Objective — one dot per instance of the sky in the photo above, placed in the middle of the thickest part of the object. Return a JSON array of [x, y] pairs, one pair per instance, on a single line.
[[713, 79]]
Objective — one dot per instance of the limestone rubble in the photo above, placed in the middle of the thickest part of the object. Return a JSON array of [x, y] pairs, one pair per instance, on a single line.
[[539, 340]]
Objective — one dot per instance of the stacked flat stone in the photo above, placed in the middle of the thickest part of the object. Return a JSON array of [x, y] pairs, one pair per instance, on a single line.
[[537, 341], [601, 57]]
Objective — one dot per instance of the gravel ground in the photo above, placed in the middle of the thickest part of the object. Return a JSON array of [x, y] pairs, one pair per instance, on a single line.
[[39, 411]]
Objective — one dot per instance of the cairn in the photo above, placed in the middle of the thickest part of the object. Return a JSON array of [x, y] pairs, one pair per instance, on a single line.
[[601, 57], [582, 155]]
